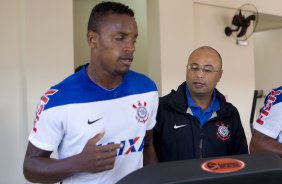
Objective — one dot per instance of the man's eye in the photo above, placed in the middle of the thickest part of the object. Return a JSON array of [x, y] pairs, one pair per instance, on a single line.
[[118, 38], [207, 70], [194, 68]]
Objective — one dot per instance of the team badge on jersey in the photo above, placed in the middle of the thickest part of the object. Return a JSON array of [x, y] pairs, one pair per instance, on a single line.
[[141, 112], [223, 132]]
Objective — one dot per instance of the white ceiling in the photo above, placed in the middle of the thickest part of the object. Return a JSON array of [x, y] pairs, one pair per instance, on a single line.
[[268, 22]]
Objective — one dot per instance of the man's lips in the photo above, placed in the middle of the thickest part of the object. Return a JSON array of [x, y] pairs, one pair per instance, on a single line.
[[126, 60], [199, 84]]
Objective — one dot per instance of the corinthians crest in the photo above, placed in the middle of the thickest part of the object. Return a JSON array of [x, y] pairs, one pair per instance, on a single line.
[[223, 132], [142, 113]]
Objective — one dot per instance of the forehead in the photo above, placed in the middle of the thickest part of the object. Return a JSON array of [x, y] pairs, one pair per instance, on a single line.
[[204, 57], [119, 23]]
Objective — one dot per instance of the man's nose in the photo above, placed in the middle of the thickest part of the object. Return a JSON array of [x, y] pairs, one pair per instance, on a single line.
[[200, 72], [129, 46]]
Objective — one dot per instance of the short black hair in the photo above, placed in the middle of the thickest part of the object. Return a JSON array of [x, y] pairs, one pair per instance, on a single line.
[[103, 9]]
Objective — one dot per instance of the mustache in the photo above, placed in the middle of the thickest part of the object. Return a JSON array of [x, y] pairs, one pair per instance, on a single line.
[[126, 57]]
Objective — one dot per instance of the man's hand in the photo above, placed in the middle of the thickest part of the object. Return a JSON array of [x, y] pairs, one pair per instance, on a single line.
[[98, 158]]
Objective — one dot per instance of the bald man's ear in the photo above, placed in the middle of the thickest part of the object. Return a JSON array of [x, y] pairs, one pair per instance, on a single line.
[[92, 39], [220, 74]]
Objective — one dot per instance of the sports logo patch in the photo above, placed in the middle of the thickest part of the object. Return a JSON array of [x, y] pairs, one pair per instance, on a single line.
[[141, 112], [223, 132]]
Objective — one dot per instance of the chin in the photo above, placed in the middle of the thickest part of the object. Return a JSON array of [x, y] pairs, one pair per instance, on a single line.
[[123, 72], [200, 92]]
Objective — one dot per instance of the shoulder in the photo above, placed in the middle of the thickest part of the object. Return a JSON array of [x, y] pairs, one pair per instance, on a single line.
[[70, 83], [278, 89], [74, 80], [166, 98], [140, 81], [273, 102], [175, 97], [65, 92], [225, 106], [275, 96], [139, 77]]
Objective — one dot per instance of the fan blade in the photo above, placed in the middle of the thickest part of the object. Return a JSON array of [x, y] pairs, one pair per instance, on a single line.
[[242, 32], [251, 17], [235, 20], [240, 13], [238, 19]]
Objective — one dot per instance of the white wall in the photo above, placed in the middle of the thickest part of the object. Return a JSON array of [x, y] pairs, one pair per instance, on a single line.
[[81, 12], [36, 52], [268, 59], [176, 20], [153, 45], [268, 62], [12, 101], [48, 48]]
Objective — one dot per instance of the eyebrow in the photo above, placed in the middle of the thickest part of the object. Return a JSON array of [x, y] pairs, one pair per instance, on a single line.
[[125, 34], [209, 65]]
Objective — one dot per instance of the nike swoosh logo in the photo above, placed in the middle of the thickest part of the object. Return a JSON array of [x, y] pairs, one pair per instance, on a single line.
[[90, 122], [179, 126]]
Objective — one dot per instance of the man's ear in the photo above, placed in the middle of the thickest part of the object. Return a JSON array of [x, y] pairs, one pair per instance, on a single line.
[[220, 74], [92, 39]]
